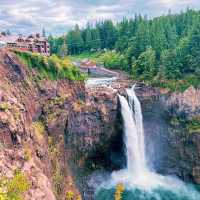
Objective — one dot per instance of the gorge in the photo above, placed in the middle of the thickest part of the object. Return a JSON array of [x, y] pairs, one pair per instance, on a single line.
[[64, 135], [139, 180]]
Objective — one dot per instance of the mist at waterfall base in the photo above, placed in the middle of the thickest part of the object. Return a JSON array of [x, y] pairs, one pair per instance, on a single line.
[[140, 182]]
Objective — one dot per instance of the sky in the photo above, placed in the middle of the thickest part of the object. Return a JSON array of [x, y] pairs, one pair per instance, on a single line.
[[59, 16]]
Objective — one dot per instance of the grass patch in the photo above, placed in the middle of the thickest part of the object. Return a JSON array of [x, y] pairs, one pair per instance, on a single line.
[[52, 67]]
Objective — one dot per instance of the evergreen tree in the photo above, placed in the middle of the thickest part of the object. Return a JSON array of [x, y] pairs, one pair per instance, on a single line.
[[78, 40], [171, 66], [75, 41], [96, 41], [145, 66], [159, 40], [168, 46], [88, 38]]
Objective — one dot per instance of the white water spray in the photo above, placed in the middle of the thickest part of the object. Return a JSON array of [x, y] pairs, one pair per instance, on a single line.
[[134, 134]]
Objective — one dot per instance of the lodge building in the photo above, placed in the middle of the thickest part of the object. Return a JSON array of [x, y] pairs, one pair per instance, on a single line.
[[33, 43]]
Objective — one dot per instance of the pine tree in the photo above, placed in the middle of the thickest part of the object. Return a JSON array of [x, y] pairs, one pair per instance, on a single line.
[[96, 41], [144, 67], [78, 40], [88, 38]]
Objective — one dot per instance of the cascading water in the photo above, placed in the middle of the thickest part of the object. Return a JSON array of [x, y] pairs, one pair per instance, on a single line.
[[137, 171], [134, 134], [142, 183], [138, 120]]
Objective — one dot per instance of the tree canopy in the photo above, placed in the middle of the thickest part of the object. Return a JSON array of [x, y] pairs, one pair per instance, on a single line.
[[166, 47]]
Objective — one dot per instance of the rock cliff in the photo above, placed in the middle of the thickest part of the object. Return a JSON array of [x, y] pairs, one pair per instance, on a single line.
[[33, 116], [173, 126]]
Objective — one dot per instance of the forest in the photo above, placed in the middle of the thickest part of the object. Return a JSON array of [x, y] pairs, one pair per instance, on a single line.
[[153, 50]]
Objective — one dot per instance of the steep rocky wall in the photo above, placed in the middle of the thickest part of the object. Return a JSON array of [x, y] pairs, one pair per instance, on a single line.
[[33, 115], [19, 104], [172, 145], [172, 133]]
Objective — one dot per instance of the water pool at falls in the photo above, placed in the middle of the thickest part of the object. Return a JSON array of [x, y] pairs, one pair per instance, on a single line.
[[140, 182]]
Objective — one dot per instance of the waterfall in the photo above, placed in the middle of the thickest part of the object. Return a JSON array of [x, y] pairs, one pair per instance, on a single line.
[[137, 177], [137, 172], [137, 115], [134, 134]]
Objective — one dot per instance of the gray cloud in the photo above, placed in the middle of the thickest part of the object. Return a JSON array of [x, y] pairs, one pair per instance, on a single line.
[[58, 16]]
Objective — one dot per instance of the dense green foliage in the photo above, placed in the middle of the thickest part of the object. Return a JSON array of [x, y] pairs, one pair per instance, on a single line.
[[51, 67], [113, 60], [160, 49], [145, 66]]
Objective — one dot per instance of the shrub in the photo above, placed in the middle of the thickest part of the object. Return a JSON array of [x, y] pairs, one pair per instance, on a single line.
[[193, 125], [119, 190], [4, 106], [172, 85], [144, 68], [69, 195], [13, 189], [114, 60], [52, 67]]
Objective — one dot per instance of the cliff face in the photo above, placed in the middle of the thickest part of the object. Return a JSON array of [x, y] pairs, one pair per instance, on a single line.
[[172, 126], [33, 117]]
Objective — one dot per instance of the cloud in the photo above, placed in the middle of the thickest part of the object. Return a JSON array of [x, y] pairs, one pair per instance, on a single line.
[[58, 16]]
